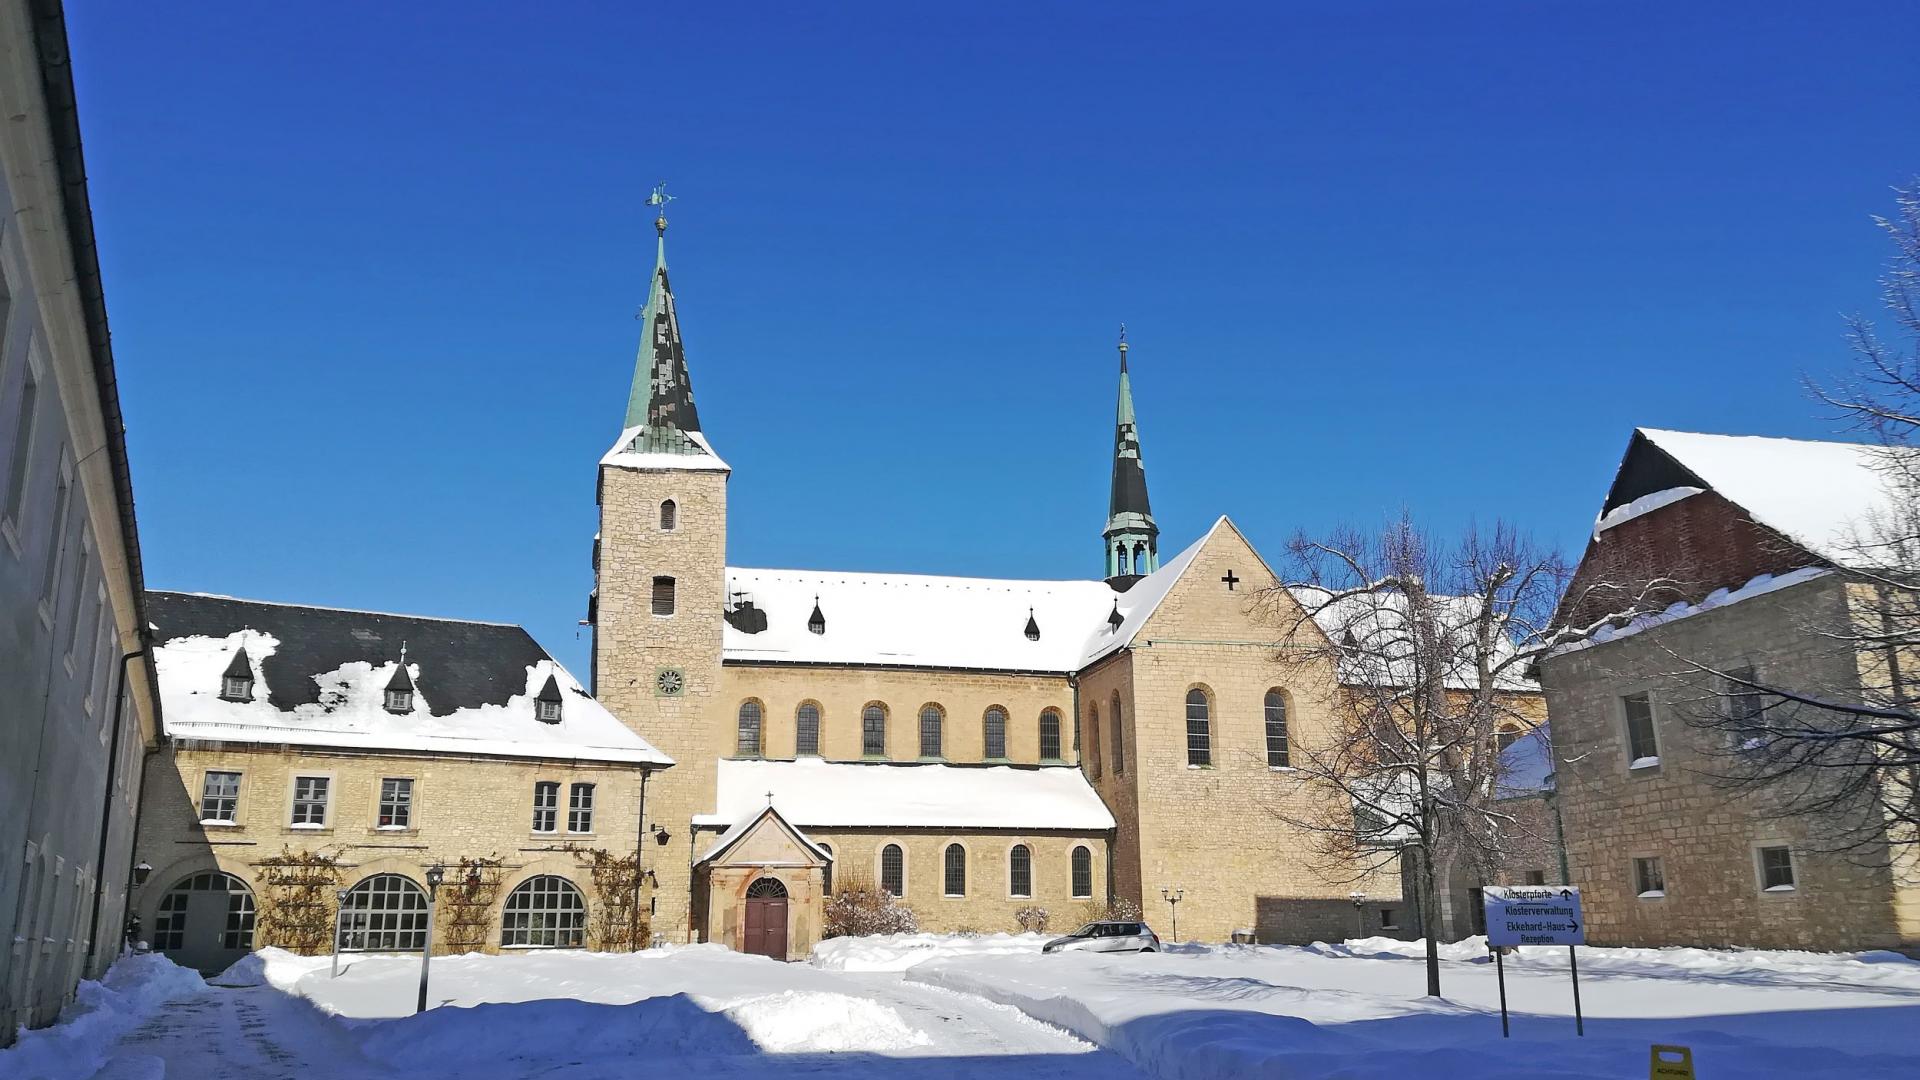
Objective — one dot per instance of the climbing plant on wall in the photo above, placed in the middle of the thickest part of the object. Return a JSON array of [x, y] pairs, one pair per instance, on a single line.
[[466, 905], [618, 920], [297, 903]]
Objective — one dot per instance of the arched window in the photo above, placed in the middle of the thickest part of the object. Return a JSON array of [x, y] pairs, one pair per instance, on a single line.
[[1092, 755], [893, 870], [170, 923], [806, 730], [1279, 754], [771, 887], [996, 728], [826, 872], [955, 883], [747, 742], [932, 720], [384, 913], [545, 912], [669, 516], [1082, 873], [1199, 728], [1020, 871], [1119, 740], [873, 730], [1049, 735]]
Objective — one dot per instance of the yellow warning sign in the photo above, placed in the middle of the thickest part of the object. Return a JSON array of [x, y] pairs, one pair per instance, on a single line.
[[1671, 1063]]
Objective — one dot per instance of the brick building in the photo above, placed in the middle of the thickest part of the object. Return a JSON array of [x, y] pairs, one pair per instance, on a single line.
[[1753, 539]]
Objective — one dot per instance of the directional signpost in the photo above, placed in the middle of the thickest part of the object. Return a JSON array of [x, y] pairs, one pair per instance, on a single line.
[[1535, 915]]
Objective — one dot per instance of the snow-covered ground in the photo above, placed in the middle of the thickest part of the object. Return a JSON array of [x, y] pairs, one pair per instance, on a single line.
[[990, 1006]]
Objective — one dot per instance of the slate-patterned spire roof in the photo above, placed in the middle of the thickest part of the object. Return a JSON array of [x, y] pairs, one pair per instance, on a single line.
[[1129, 515], [661, 400]]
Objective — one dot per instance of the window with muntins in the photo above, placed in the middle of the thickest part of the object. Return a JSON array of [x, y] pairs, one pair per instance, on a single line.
[[1199, 729], [806, 730], [955, 883], [384, 913], [747, 742], [1020, 871], [996, 732], [396, 803], [1119, 737], [580, 808], [544, 912], [1649, 877], [310, 800], [1776, 869], [873, 731], [220, 796], [546, 806], [1279, 754], [1082, 873], [932, 721], [663, 595], [1049, 735], [236, 688], [893, 869], [1642, 747], [548, 712]]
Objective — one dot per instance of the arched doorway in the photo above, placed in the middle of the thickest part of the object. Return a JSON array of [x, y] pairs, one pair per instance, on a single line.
[[384, 913], [766, 932], [205, 922]]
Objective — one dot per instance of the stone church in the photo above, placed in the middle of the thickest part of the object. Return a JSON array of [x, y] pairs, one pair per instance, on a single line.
[[973, 746]]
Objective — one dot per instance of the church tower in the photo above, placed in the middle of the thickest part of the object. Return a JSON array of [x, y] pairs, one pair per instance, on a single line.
[[659, 588], [1132, 539]]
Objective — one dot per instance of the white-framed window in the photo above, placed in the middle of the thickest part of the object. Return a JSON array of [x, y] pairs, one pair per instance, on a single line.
[[548, 712], [1643, 744], [310, 797], [1776, 868], [399, 700], [546, 806], [101, 613], [954, 879], [219, 797], [57, 551], [396, 803], [580, 808], [236, 687], [19, 461], [1649, 877], [80, 569]]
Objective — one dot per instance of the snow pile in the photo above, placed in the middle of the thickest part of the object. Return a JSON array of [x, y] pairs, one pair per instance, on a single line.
[[815, 1021], [133, 989], [1356, 1010], [812, 793], [1645, 504], [270, 966], [898, 952], [537, 1033]]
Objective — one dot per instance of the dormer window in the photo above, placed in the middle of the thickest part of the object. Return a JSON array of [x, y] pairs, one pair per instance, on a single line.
[[816, 622], [400, 689], [1033, 628], [546, 706], [236, 683]]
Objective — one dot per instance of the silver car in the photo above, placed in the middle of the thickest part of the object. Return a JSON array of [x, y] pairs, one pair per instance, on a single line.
[[1107, 937]]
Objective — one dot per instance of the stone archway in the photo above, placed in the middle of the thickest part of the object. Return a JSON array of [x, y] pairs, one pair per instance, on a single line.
[[205, 921], [766, 922]]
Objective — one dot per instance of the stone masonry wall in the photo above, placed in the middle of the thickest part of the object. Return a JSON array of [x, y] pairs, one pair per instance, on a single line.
[[987, 905]]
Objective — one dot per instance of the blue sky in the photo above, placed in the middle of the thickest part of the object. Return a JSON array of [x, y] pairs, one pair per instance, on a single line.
[[373, 268]]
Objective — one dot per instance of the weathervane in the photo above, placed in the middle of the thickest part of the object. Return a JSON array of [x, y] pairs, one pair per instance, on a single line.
[[660, 199], [1123, 337]]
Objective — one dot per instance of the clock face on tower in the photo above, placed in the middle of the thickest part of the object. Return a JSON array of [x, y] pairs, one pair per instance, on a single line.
[[669, 681]]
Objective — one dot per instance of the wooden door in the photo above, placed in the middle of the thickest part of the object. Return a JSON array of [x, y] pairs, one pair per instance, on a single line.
[[766, 933]]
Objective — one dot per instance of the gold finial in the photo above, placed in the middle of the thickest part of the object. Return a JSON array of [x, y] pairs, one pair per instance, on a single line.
[[660, 199], [1123, 339]]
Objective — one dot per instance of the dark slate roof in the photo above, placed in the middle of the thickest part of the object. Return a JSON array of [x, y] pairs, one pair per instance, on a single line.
[[463, 665]]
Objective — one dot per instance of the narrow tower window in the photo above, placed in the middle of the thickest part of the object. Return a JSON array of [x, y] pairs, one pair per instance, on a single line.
[[1199, 728], [996, 731], [663, 595], [748, 742], [669, 516], [873, 731], [806, 730], [956, 871], [1020, 871], [932, 720], [1119, 740], [893, 869], [1279, 754], [1049, 735]]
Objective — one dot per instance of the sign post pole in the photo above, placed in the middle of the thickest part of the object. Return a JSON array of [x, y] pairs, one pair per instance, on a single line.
[[1573, 965], [1500, 965]]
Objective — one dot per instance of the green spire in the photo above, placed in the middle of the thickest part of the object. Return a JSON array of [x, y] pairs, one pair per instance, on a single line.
[[1131, 539], [660, 402]]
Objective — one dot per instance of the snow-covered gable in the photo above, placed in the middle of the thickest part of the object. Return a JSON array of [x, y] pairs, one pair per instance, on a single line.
[[1138, 604], [915, 620], [812, 793], [320, 675], [629, 452], [1819, 494], [742, 833]]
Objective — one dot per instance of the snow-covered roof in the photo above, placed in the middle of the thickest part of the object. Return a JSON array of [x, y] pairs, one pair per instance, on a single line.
[[745, 825], [1718, 598], [626, 454], [1138, 604], [1816, 493], [1383, 647], [319, 677], [1526, 765], [812, 793], [916, 620]]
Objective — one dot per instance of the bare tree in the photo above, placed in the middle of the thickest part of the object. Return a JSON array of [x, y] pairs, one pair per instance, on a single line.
[[1849, 750], [1430, 644]]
